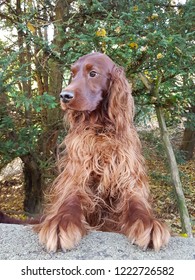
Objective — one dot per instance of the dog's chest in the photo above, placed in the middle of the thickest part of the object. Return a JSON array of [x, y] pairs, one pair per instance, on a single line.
[[97, 154], [101, 150], [99, 163]]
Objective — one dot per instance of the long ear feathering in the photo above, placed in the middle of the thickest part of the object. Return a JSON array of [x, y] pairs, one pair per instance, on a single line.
[[121, 112], [121, 104]]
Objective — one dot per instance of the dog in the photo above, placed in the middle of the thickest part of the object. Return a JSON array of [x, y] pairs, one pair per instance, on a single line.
[[102, 182]]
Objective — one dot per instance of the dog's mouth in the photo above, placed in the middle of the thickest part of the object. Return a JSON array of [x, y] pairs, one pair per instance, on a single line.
[[80, 106], [68, 106]]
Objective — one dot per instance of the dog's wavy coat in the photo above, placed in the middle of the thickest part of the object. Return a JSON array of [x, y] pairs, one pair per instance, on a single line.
[[102, 182]]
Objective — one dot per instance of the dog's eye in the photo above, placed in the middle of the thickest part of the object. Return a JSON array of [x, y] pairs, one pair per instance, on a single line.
[[92, 73]]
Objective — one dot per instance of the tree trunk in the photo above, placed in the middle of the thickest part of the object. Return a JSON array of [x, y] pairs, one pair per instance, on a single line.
[[50, 78], [184, 216], [32, 185], [56, 65], [188, 141], [54, 117]]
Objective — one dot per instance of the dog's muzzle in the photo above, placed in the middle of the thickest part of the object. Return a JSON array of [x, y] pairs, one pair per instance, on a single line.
[[66, 96]]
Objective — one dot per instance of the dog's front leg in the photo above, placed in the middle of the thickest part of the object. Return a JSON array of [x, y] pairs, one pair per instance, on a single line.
[[140, 226], [64, 226]]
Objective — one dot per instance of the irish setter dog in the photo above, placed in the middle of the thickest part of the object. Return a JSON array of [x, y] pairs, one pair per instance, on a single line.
[[102, 183]]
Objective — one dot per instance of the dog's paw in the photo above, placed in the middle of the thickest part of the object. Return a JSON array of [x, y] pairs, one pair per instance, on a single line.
[[54, 235], [69, 237], [151, 234]]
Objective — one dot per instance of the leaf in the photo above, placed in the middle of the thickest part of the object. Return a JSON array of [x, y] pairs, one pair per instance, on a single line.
[[184, 235], [31, 27]]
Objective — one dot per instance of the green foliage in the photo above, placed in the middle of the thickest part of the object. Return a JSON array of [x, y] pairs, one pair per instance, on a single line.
[[154, 38], [16, 137], [36, 103]]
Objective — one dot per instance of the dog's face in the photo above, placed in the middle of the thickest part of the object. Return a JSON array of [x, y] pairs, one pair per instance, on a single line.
[[91, 78]]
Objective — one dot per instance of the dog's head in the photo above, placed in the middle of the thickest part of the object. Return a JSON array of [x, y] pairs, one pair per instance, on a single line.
[[91, 79]]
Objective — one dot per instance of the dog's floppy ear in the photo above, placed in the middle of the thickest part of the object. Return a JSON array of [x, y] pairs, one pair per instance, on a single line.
[[120, 103]]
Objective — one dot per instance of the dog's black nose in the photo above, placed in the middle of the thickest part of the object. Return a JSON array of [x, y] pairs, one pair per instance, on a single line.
[[66, 96]]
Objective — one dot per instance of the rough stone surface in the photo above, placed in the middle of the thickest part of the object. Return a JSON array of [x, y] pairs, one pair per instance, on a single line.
[[19, 242]]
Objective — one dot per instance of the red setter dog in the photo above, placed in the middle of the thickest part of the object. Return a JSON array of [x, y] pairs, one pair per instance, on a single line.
[[102, 183]]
